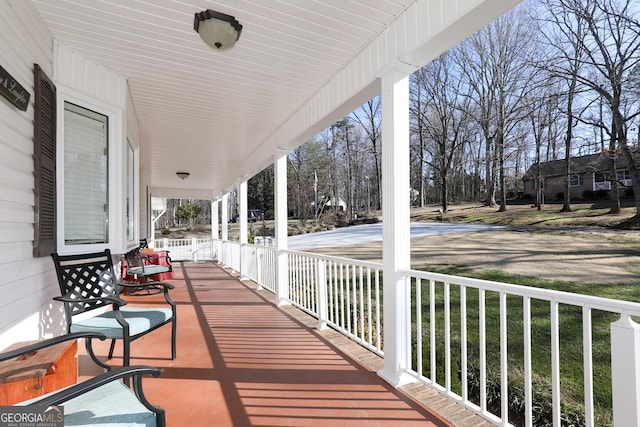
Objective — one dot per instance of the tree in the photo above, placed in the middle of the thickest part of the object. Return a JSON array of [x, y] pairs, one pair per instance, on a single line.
[[612, 54], [442, 118], [260, 191], [563, 34], [189, 212], [417, 95], [497, 62], [368, 116]]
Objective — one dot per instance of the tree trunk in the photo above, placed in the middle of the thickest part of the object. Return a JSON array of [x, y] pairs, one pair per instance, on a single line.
[[566, 205], [503, 180], [445, 193], [613, 172], [490, 198]]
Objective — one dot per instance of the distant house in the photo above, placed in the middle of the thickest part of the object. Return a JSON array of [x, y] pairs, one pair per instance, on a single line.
[[590, 177]]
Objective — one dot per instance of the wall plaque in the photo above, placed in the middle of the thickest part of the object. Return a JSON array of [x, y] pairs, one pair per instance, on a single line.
[[13, 91]]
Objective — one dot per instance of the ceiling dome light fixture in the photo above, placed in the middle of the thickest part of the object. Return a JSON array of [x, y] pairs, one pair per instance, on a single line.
[[218, 30], [183, 175]]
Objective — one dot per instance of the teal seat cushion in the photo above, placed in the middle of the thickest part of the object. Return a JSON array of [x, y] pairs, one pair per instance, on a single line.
[[110, 405], [140, 320], [148, 270]]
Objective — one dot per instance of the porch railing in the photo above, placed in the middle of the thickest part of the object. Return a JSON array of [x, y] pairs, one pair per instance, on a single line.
[[502, 339], [507, 338], [344, 294], [191, 249]]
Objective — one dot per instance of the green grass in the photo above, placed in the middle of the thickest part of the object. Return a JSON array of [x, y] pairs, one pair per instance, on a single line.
[[525, 215], [571, 354]]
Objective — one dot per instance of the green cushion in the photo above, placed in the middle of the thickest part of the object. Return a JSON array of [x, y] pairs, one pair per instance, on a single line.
[[148, 270], [140, 320], [110, 405]]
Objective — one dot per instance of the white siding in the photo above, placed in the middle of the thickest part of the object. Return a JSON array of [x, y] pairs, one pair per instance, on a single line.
[[26, 284], [84, 75]]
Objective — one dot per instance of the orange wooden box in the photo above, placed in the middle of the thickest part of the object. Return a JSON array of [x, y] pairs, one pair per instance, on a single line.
[[38, 373]]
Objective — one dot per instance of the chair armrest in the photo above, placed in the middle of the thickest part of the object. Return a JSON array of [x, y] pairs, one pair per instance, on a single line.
[[148, 259], [113, 300], [47, 343], [143, 285], [58, 398]]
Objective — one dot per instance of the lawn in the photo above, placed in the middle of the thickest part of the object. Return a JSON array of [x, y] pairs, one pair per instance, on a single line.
[[525, 215]]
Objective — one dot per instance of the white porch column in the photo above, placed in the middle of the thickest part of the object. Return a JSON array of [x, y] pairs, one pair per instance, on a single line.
[[242, 224], [625, 371], [225, 216], [215, 220], [281, 231], [396, 247], [242, 215]]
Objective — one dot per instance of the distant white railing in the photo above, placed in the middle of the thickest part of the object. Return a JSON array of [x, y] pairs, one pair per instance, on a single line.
[[485, 332], [191, 249]]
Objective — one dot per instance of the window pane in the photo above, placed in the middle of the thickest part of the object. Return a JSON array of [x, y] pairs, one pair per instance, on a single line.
[[130, 192], [85, 176]]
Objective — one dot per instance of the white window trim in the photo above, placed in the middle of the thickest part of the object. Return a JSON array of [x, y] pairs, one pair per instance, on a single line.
[[579, 177], [134, 240], [117, 178]]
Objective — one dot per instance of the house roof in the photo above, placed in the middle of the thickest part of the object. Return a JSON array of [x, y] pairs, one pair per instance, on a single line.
[[578, 165]]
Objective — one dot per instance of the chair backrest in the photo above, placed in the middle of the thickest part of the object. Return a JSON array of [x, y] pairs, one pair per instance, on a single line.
[[89, 276], [143, 244], [133, 258]]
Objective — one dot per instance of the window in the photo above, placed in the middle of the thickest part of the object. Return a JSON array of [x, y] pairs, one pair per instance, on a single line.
[[535, 184], [86, 176], [602, 176], [575, 181], [92, 172], [132, 194], [624, 175]]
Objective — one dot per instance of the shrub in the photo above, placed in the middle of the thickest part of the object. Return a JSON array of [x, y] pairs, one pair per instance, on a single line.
[[166, 231], [560, 195], [602, 194], [588, 194], [572, 413]]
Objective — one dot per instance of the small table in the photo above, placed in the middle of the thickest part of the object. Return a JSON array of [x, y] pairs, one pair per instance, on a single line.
[[38, 373]]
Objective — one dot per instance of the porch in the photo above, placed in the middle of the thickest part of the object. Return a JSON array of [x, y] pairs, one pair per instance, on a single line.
[[244, 361], [502, 338]]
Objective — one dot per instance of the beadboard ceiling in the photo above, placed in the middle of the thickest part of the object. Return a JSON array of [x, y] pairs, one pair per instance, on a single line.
[[205, 111]]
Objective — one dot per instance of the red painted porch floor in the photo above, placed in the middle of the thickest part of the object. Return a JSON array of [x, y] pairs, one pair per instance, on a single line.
[[242, 361]]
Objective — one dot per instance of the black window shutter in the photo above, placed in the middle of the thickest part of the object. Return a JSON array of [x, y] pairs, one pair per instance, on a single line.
[[44, 164]]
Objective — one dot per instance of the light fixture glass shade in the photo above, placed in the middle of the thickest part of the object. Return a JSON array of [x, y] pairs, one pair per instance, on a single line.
[[218, 30], [183, 175]]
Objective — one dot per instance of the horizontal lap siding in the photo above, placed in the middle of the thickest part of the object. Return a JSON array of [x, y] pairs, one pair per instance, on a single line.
[[26, 284]]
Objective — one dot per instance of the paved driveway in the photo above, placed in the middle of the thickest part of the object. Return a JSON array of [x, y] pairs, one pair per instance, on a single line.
[[361, 234]]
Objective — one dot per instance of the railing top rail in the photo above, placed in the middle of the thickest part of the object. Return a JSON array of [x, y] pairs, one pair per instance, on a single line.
[[359, 263], [598, 303]]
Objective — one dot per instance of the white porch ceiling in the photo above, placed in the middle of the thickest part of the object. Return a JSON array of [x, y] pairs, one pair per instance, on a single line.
[[209, 112]]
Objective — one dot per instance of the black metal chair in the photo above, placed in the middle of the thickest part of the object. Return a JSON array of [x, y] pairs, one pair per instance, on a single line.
[[103, 399], [139, 265], [88, 283], [143, 244]]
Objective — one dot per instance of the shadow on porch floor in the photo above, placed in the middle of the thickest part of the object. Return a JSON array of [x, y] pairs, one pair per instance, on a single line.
[[242, 361]]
